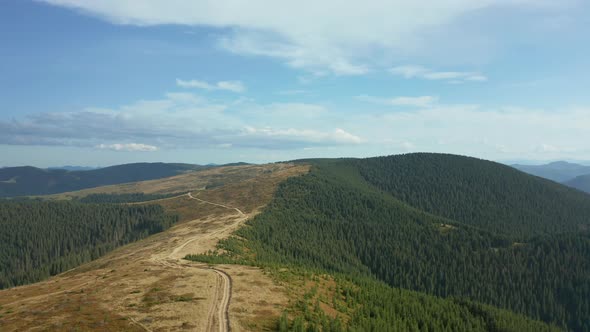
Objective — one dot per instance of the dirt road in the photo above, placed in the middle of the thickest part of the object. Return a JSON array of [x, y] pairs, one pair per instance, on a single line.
[[218, 317], [148, 286], [216, 204], [225, 280], [223, 293]]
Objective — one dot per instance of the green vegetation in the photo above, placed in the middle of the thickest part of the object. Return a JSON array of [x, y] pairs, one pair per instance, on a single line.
[[364, 304], [454, 229], [40, 239], [124, 198], [480, 193]]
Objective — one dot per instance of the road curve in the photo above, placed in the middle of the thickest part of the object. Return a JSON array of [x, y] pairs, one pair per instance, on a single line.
[[219, 310], [216, 204]]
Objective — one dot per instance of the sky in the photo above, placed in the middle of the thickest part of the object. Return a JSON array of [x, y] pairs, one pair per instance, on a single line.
[[97, 83]]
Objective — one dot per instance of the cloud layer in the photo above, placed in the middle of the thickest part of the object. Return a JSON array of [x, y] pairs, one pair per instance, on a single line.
[[233, 86], [346, 38], [421, 101], [492, 133], [422, 123], [180, 120], [131, 147], [413, 71]]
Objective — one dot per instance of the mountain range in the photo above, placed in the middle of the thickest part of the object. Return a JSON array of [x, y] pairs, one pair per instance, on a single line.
[[413, 242], [581, 182], [571, 174], [27, 180]]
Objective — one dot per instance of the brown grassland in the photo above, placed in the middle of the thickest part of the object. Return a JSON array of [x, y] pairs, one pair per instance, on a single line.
[[147, 286]]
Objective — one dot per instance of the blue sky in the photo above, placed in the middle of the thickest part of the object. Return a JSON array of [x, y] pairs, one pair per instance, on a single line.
[[106, 82]]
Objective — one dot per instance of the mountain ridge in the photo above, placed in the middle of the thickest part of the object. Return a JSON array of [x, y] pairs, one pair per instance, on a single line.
[[558, 171], [407, 242], [445, 225], [581, 182], [29, 180]]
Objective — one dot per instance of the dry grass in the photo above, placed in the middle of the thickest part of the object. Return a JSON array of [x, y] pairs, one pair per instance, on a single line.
[[189, 209], [147, 284], [191, 181], [257, 301], [252, 194], [312, 289]]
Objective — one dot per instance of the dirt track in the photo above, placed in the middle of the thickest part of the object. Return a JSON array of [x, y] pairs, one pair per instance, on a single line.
[[216, 204], [223, 305], [147, 286], [219, 311]]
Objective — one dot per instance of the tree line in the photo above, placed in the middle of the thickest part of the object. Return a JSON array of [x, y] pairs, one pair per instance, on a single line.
[[39, 239], [110, 198]]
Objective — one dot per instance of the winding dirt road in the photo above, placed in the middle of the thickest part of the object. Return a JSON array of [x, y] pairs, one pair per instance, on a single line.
[[217, 204], [218, 315], [148, 286], [224, 280]]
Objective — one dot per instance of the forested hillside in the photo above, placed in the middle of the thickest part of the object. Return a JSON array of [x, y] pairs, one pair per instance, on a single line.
[[479, 193], [124, 198], [40, 239], [454, 227], [21, 181]]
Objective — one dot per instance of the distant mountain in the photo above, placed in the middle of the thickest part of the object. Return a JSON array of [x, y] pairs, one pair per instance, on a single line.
[[241, 163], [27, 180], [74, 168], [559, 171], [581, 182]]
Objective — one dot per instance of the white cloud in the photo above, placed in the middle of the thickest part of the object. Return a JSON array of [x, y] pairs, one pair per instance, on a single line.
[[346, 38], [187, 121], [551, 149], [454, 75], [342, 136], [409, 71], [131, 147], [291, 92], [421, 101], [233, 86], [493, 133], [304, 136], [413, 71], [181, 120]]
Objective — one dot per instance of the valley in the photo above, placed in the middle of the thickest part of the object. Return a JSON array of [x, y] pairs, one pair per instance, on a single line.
[[148, 286], [422, 242], [294, 166]]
